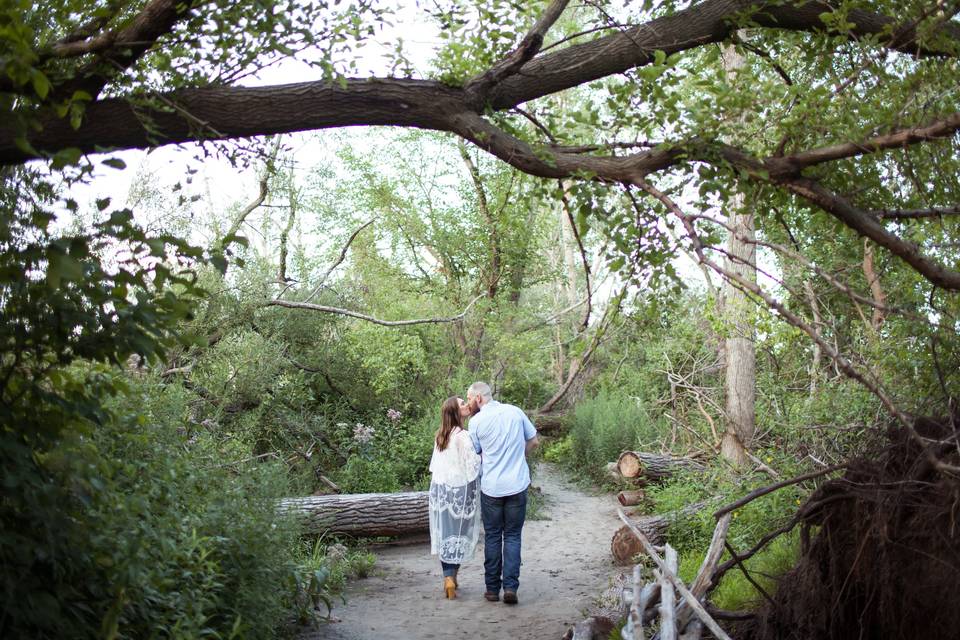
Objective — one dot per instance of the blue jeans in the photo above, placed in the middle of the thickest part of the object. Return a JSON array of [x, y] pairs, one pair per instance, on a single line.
[[449, 569], [502, 523]]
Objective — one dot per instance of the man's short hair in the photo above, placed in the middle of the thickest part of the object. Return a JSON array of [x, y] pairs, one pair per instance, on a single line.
[[481, 389]]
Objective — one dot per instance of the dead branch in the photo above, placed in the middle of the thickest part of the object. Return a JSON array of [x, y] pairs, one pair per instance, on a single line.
[[565, 202], [290, 304], [839, 361], [915, 214], [698, 609], [701, 584], [762, 491], [494, 276]]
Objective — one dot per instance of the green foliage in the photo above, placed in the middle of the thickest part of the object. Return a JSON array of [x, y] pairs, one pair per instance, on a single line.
[[396, 457], [735, 593], [559, 451], [605, 425], [322, 572], [691, 534], [138, 528]]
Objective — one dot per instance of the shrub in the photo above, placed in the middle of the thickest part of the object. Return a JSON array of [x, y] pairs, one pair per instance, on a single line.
[[144, 531], [322, 572], [605, 425]]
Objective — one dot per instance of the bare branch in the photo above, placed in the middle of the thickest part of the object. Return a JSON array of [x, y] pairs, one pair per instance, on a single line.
[[565, 201], [552, 317], [577, 366], [247, 210], [762, 491], [290, 304], [915, 214], [842, 363], [796, 162], [868, 226], [474, 172], [691, 600], [120, 49], [701, 584]]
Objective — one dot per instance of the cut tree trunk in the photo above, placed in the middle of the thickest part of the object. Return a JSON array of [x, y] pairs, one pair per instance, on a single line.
[[592, 628], [624, 545], [653, 466], [631, 498], [547, 423], [363, 514]]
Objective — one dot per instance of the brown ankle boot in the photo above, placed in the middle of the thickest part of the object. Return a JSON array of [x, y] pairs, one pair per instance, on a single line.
[[449, 587]]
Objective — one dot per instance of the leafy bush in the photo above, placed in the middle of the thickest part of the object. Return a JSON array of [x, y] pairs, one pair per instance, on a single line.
[[605, 425], [392, 455], [322, 573], [691, 535]]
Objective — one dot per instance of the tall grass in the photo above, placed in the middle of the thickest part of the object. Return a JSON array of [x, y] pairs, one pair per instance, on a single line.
[[605, 425]]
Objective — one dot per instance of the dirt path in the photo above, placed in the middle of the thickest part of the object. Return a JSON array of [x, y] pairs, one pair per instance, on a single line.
[[566, 563]]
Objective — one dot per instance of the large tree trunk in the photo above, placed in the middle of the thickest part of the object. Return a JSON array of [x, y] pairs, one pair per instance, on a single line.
[[653, 466], [740, 350], [625, 545], [363, 514]]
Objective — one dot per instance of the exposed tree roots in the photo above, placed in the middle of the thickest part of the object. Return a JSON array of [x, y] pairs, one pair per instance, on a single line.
[[881, 550]]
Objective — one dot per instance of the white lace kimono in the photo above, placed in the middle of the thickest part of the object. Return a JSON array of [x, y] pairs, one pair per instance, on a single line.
[[455, 499]]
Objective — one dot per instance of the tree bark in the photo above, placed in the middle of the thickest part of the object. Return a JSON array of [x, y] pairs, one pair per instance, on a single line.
[[592, 628], [653, 466], [362, 514], [624, 545], [876, 289], [631, 498], [740, 349], [817, 323]]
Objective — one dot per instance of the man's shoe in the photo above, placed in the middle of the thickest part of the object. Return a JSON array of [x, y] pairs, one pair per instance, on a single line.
[[510, 597], [492, 597]]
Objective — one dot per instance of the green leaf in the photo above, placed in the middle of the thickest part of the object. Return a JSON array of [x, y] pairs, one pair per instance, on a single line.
[[41, 85], [66, 157], [116, 163]]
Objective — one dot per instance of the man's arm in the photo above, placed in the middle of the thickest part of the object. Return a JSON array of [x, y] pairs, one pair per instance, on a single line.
[[532, 444], [529, 434]]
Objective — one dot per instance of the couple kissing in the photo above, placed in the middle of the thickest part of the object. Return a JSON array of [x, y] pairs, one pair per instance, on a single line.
[[480, 475]]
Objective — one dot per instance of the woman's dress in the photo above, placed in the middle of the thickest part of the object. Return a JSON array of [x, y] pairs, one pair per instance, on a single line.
[[455, 499]]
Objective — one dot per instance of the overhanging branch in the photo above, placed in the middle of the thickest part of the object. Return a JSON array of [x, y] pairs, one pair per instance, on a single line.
[[290, 304]]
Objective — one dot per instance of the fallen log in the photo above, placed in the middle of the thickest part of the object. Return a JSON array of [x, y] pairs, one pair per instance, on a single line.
[[362, 514], [612, 472], [654, 466], [592, 628], [624, 545], [631, 498], [548, 423]]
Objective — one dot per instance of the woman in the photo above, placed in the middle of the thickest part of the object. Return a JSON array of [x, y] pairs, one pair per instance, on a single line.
[[454, 494]]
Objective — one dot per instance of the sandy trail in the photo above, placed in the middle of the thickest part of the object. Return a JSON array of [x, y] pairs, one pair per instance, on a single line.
[[566, 564]]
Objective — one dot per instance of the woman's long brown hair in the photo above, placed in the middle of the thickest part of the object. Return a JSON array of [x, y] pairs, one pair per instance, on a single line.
[[449, 419]]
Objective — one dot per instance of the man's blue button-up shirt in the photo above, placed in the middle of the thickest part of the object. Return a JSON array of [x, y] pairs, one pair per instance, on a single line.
[[500, 433]]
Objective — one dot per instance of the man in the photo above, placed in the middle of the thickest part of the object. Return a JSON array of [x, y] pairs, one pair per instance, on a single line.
[[503, 435]]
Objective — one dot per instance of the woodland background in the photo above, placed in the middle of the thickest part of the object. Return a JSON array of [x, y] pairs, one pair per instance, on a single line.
[[173, 365]]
